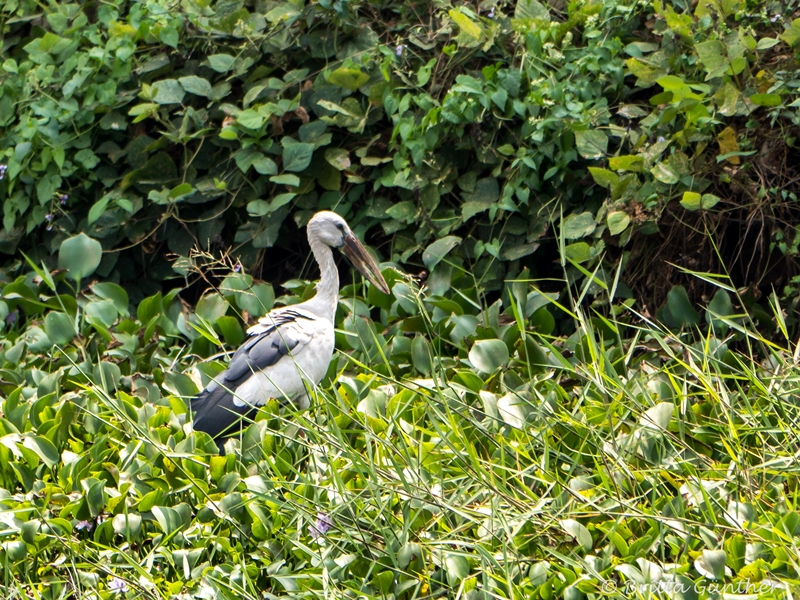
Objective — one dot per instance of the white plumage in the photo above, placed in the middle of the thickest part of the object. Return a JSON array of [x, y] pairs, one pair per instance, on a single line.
[[292, 376], [288, 352]]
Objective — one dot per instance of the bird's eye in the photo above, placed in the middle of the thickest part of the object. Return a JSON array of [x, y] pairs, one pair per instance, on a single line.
[[340, 227]]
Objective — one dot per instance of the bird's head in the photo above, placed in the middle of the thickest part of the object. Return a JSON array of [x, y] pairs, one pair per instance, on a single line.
[[332, 230]]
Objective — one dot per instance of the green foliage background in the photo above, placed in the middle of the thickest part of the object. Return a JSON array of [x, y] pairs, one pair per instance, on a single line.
[[158, 127]]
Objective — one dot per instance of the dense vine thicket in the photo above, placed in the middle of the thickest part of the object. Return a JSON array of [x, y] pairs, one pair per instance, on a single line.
[[494, 133]]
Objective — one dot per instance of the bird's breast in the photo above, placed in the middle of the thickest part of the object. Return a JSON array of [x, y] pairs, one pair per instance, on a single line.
[[297, 372]]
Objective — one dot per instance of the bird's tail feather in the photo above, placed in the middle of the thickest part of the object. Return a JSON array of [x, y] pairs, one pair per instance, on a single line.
[[216, 414]]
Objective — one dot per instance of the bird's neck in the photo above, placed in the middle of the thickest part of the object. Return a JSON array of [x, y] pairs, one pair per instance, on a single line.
[[328, 287]]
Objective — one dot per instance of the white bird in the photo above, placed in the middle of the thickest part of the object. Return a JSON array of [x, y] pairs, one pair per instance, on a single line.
[[288, 352]]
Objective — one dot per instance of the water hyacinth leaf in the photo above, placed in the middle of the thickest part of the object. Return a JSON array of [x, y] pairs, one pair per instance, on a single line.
[[59, 327], [127, 525], [658, 416], [101, 311], [513, 410], [489, 355], [456, 567], [232, 331], [711, 564], [29, 530], [720, 306], [106, 375], [44, 449], [421, 355], [411, 551], [168, 519], [258, 300], [235, 282], [180, 385], [80, 256], [114, 293], [579, 532], [434, 253], [211, 307], [681, 308], [14, 551]]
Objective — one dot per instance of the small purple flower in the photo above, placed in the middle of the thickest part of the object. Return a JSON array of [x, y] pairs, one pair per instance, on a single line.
[[48, 217], [491, 13], [83, 525], [237, 268], [117, 585], [398, 51], [661, 138], [63, 198], [49, 228], [12, 317], [320, 526]]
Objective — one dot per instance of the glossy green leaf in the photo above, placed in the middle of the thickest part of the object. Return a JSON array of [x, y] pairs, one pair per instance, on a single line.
[[579, 532], [617, 221], [196, 85], [169, 519], [296, 157], [168, 91], [80, 256], [681, 308], [59, 327], [591, 143], [114, 293], [434, 253], [488, 355], [576, 226], [350, 79], [44, 448]]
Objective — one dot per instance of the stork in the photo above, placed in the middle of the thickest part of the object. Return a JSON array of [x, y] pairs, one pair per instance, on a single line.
[[288, 351]]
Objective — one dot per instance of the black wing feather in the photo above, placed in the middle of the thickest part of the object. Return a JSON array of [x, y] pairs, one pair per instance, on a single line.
[[214, 409]]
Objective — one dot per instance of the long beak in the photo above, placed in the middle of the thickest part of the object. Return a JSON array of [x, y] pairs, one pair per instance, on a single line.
[[362, 261]]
